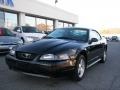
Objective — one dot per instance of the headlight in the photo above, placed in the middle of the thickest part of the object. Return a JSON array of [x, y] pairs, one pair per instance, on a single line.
[[54, 57], [12, 52], [47, 57], [29, 39]]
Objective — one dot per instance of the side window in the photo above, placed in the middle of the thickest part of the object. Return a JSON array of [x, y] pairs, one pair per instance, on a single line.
[[94, 34], [15, 29]]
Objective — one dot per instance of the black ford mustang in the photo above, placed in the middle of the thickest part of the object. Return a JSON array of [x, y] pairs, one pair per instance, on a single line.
[[65, 49]]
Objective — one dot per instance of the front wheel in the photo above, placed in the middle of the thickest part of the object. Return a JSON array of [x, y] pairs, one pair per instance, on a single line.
[[23, 40], [104, 57], [79, 68]]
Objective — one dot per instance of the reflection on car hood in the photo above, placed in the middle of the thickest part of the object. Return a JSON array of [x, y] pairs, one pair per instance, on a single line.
[[8, 40], [50, 46]]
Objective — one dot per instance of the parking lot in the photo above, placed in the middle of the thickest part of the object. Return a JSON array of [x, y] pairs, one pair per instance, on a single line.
[[99, 77]]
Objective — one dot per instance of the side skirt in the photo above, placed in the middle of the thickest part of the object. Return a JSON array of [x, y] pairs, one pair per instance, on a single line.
[[93, 63]]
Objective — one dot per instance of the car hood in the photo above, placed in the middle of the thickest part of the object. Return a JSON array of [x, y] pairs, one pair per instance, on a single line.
[[38, 35], [8, 40], [53, 46]]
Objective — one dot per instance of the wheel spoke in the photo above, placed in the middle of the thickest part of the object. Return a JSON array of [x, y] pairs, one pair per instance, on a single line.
[[81, 68], [80, 65]]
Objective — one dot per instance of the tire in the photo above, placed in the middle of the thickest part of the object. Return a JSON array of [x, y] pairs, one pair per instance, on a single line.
[[104, 57], [23, 40], [80, 68]]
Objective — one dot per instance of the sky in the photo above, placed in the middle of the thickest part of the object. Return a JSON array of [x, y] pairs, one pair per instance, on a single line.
[[97, 14]]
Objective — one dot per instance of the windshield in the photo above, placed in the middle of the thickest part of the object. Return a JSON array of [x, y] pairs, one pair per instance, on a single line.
[[5, 32], [30, 30], [69, 33]]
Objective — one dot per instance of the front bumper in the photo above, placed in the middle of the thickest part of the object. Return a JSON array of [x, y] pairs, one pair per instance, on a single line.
[[5, 48], [41, 68]]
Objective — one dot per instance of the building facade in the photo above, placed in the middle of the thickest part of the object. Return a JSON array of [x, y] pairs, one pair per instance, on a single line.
[[34, 13]]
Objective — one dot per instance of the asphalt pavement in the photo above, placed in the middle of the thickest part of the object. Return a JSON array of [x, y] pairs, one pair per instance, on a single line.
[[99, 77]]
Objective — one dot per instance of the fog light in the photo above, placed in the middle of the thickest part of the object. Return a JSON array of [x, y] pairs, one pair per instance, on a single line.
[[12, 52], [71, 63]]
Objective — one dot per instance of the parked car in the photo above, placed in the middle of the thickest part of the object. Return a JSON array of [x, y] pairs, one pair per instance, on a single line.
[[8, 40], [65, 49], [108, 38], [28, 33], [114, 38]]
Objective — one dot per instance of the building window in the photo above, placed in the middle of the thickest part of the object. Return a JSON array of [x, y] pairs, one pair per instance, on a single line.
[[60, 24], [50, 25], [70, 25], [11, 20], [8, 20], [2, 19], [65, 24], [30, 21], [41, 24]]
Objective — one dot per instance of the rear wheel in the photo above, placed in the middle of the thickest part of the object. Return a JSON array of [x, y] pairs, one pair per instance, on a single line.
[[79, 68], [104, 57]]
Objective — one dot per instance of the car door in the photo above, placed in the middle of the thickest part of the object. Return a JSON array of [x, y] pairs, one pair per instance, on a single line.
[[94, 47]]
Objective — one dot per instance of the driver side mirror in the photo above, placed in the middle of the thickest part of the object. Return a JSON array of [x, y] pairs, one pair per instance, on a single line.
[[19, 31], [93, 40]]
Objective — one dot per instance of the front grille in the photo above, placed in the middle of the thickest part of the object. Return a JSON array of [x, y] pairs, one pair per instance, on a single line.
[[25, 56], [49, 62]]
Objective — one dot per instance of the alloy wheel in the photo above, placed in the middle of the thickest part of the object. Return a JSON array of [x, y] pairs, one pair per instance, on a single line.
[[81, 68]]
